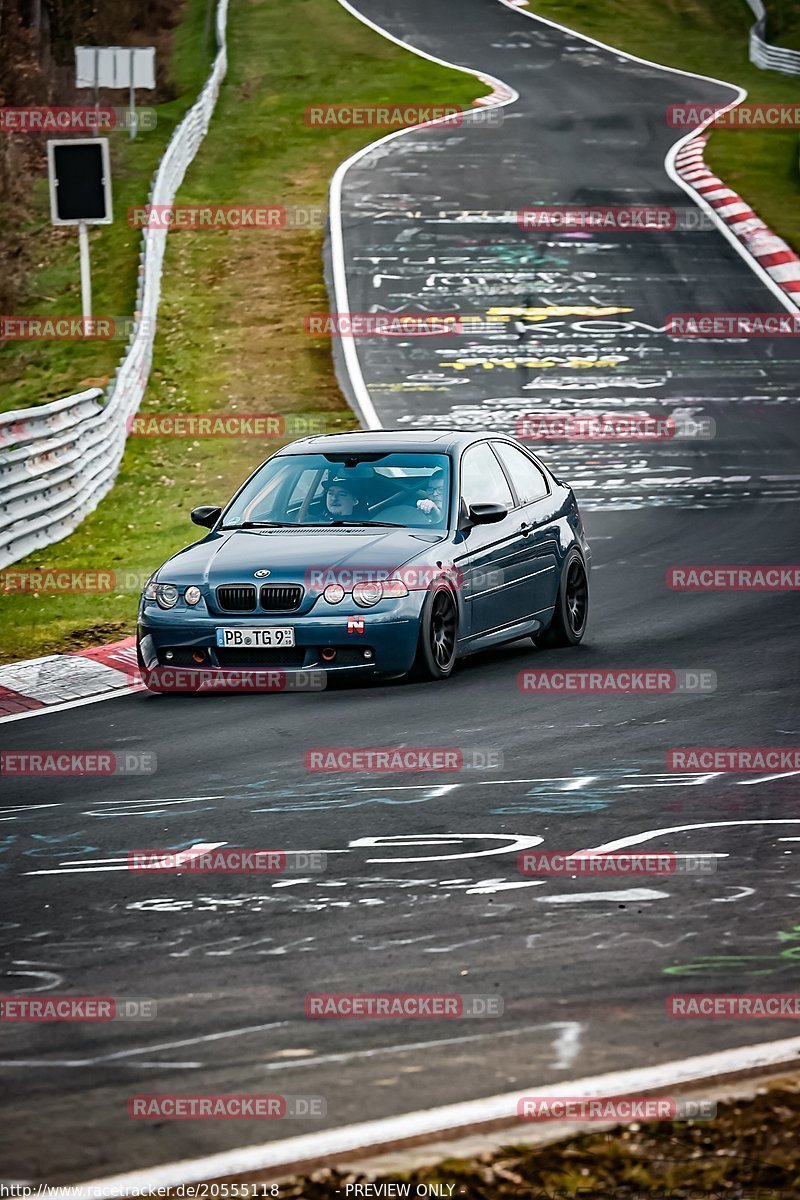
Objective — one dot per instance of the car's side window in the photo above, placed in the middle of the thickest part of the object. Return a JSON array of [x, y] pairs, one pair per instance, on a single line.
[[528, 480], [482, 479]]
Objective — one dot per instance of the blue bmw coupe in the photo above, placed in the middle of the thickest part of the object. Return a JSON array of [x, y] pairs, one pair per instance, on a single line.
[[380, 552]]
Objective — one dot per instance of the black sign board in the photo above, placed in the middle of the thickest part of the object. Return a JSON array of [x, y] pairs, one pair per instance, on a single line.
[[80, 181]]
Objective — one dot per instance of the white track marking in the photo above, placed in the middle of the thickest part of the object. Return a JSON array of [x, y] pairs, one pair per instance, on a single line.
[[635, 838], [50, 979], [82, 866], [514, 842], [743, 891], [767, 778], [382, 1051], [330, 1145], [622, 895], [117, 1055]]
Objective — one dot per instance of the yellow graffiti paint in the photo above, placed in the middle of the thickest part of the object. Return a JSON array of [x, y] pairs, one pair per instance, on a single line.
[[556, 310]]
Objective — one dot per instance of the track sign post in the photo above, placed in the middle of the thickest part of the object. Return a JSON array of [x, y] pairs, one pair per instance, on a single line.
[[128, 67], [80, 194]]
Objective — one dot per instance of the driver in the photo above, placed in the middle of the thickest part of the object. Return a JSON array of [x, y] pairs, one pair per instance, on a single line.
[[342, 501], [432, 503]]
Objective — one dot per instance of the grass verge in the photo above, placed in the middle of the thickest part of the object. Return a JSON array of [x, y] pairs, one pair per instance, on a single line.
[[711, 38], [745, 1153], [231, 336]]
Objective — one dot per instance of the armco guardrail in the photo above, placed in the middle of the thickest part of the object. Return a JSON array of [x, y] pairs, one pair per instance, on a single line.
[[57, 462], [762, 54]]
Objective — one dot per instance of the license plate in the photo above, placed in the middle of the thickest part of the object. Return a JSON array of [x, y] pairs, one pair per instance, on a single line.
[[263, 639]]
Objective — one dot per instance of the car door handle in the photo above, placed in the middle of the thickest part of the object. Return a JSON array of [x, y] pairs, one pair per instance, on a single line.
[[525, 528]]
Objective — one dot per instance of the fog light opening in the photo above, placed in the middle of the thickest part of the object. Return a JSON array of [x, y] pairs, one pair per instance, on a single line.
[[328, 654], [367, 654], [168, 655]]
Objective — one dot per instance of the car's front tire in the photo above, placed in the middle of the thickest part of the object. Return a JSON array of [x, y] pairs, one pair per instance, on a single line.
[[436, 650], [571, 612]]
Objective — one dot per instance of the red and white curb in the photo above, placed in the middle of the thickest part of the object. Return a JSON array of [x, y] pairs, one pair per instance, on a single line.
[[770, 252], [64, 679]]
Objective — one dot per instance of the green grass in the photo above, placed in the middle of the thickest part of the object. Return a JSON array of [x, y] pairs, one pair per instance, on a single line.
[[230, 326], [711, 38]]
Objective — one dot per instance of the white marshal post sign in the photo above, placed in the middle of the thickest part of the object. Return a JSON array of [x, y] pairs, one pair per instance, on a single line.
[[80, 194], [127, 67]]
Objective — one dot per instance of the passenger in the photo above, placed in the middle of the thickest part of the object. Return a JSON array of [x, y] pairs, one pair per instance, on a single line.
[[432, 503]]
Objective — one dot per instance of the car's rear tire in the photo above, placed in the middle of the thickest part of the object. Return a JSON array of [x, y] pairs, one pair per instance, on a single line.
[[571, 612], [436, 649]]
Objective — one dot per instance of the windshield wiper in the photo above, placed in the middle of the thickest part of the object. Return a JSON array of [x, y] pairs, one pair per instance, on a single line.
[[255, 525], [385, 524]]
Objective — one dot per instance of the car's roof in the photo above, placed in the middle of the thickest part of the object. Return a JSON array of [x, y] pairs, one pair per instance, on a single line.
[[373, 441]]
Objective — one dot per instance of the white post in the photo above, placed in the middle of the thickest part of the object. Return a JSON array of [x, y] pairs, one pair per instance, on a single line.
[[86, 275], [133, 99]]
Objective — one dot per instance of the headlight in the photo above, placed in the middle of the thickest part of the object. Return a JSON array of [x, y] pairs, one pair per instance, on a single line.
[[166, 595], [334, 593], [192, 595], [150, 590], [367, 594]]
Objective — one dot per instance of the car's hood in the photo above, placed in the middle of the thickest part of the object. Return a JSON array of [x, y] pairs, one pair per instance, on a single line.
[[289, 554]]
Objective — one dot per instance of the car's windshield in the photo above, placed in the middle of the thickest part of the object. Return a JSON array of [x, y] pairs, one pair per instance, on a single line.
[[346, 489]]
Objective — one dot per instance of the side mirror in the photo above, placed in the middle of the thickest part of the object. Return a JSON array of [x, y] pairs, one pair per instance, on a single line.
[[486, 514], [207, 515]]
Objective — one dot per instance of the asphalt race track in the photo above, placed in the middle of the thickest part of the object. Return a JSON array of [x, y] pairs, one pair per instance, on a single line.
[[422, 891]]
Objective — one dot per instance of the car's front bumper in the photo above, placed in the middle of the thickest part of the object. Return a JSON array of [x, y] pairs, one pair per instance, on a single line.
[[343, 639]]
